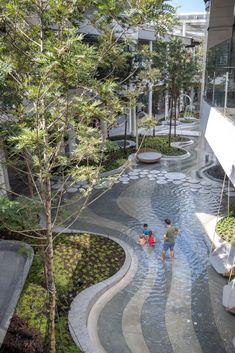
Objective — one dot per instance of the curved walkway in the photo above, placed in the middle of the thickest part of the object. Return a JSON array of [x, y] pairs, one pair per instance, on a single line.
[[15, 261], [161, 307]]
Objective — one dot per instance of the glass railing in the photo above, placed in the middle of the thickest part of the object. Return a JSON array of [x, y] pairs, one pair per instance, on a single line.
[[219, 89]]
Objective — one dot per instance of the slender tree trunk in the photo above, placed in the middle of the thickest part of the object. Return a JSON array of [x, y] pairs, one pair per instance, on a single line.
[[47, 199], [49, 251], [50, 285]]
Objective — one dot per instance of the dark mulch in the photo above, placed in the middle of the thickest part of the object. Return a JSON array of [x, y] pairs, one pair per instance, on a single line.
[[22, 339]]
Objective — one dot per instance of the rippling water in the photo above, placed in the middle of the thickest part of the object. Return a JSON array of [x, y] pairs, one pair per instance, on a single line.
[[177, 300]]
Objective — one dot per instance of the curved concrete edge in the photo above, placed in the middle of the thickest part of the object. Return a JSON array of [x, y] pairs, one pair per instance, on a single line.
[[205, 175], [84, 301], [15, 246], [112, 172], [215, 239], [181, 157]]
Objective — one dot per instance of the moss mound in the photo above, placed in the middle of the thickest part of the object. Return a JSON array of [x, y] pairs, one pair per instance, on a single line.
[[226, 229]]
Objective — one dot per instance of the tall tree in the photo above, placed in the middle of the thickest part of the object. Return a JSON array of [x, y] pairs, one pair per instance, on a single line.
[[53, 88], [179, 68]]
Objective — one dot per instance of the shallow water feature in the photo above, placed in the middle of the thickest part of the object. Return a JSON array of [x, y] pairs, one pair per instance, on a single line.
[[175, 306]]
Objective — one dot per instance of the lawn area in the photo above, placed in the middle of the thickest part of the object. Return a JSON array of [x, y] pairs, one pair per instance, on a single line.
[[80, 260]]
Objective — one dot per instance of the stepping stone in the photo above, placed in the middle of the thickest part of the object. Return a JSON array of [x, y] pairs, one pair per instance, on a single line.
[[156, 171], [203, 191], [194, 181], [56, 186], [72, 190], [175, 175], [125, 182], [124, 179], [81, 183], [144, 172], [99, 186], [133, 173], [177, 182], [161, 181], [142, 176], [133, 177], [205, 183], [193, 190], [196, 186], [164, 171]]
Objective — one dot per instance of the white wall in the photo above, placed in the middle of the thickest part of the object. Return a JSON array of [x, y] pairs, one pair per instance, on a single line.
[[219, 132]]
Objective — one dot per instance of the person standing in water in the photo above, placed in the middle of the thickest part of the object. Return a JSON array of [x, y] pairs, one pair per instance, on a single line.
[[169, 239]]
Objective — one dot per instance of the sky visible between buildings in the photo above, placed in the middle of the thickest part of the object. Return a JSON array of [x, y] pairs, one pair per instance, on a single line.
[[185, 6]]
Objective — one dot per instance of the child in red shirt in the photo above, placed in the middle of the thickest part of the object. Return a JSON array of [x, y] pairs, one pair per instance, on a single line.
[[151, 239]]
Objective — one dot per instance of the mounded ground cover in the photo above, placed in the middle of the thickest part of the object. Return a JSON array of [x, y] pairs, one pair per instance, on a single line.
[[161, 144], [80, 260], [226, 229], [116, 158]]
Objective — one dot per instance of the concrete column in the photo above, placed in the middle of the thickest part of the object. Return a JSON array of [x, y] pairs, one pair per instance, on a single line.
[[129, 123], [183, 29], [150, 100], [192, 94], [4, 179], [104, 130], [71, 140], [133, 121], [166, 105], [181, 101]]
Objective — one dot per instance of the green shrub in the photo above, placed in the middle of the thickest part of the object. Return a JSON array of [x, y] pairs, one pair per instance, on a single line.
[[19, 214], [226, 229], [161, 144]]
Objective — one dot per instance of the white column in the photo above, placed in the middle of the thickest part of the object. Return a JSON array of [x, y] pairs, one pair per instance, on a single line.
[[4, 179], [71, 140], [134, 121], [104, 130], [166, 105], [183, 28], [129, 123], [150, 100]]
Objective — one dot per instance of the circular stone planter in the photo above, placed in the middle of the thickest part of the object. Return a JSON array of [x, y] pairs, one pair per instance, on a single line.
[[129, 143], [149, 156]]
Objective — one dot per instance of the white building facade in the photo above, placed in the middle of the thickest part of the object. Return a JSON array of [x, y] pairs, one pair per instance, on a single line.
[[218, 101]]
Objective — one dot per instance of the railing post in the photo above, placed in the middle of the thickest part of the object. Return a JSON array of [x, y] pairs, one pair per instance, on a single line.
[[226, 92]]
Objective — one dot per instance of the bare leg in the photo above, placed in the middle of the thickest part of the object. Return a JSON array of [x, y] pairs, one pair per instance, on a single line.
[[172, 254], [163, 257]]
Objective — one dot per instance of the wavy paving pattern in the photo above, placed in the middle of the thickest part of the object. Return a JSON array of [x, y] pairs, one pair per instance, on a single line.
[[163, 307]]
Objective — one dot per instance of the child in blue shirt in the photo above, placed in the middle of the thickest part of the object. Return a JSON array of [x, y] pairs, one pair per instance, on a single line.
[[146, 230]]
